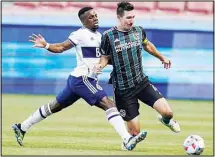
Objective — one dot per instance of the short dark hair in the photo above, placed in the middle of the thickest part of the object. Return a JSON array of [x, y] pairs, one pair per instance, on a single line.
[[124, 6], [82, 11]]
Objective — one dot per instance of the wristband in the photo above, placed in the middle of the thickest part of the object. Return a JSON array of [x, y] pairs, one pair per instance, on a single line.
[[47, 46]]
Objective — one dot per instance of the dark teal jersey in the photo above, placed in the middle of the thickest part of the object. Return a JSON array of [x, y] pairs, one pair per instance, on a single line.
[[125, 51]]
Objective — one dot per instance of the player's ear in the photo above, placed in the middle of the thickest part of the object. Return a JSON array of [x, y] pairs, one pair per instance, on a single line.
[[83, 21], [118, 16]]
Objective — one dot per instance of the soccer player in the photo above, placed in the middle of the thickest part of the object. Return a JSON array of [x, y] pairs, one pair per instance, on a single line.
[[82, 82], [122, 46]]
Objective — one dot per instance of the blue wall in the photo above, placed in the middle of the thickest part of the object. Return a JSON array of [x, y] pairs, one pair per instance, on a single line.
[[161, 38], [36, 71]]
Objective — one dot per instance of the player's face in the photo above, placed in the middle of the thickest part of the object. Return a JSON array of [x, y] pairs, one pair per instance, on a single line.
[[91, 20], [127, 20]]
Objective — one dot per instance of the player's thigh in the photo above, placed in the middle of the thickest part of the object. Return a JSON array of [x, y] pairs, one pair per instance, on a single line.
[[149, 95], [127, 105], [90, 91], [67, 96]]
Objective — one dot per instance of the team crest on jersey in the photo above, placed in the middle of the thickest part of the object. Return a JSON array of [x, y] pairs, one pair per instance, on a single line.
[[122, 112], [99, 87], [136, 35]]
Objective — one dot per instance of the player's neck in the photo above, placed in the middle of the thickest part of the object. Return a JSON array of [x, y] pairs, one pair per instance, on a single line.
[[90, 29], [120, 28]]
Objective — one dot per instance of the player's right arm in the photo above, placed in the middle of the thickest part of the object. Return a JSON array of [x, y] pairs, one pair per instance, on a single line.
[[39, 41], [105, 50]]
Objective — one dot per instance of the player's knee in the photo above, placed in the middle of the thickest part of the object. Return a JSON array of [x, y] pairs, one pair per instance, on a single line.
[[168, 114], [106, 103], [55, 107], [109, 104]]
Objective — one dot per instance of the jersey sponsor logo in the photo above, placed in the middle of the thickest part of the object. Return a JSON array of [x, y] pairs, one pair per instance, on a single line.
[[127, 45], [91, 52]]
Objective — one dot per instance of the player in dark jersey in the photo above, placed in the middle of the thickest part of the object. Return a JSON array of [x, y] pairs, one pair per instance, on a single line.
[[122, 45], [80, 83]]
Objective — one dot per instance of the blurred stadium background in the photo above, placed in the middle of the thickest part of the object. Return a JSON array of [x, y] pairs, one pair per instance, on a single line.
[[183, 31]]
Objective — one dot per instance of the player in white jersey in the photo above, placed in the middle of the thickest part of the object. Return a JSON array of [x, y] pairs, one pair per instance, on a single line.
[[87, 51], [82, 82]]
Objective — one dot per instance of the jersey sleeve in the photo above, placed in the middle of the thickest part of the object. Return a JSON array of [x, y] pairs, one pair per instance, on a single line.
[[105, 47], [74, 38], [144, 37]]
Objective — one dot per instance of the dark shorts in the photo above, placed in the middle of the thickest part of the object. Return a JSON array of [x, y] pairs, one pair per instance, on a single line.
[[81, 87], [127, 100]]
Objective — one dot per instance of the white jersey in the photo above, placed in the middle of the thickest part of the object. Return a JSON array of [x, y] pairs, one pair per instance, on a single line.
[[87, 45]]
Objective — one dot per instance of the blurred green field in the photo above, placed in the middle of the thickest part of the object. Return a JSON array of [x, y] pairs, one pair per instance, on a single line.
[[84, 130]]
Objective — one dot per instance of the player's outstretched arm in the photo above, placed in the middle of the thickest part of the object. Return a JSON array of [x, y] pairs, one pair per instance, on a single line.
[[39, 41], [151, 49]]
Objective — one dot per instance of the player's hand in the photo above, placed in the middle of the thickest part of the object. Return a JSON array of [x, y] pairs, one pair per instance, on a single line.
[[97, 69], [167, 63], [38, 40]]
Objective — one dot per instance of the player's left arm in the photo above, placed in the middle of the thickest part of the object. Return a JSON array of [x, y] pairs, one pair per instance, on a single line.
[[151, 49]]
